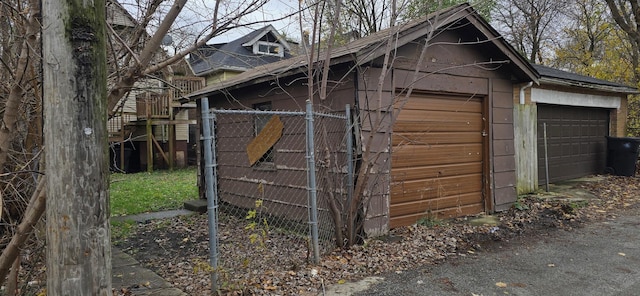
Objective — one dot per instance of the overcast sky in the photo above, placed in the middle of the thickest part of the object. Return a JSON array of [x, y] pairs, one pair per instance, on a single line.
[[272, 10]]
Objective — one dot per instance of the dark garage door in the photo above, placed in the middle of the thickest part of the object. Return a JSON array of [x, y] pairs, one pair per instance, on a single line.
[[576, 141]]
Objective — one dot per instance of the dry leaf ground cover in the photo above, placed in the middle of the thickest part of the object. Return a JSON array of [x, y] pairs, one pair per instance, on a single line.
[[277, 263]]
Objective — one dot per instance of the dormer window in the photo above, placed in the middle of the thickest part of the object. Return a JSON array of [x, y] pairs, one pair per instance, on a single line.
[[268, 48]]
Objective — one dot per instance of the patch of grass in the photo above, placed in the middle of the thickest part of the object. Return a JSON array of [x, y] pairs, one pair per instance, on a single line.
[[578, 204], [150, 192], [520, 204], [430, 220], [121, 230]]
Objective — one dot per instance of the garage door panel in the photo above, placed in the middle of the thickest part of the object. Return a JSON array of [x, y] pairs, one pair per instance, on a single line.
[[576, 141], [436, 138], [435, 171], [435, 188], [434, 204], [425, 155], [439, 126], [441, 104], [397, 221], [441, 116]]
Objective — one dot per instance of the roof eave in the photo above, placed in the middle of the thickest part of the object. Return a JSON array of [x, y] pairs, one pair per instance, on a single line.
[[215, 70], [599, 87]]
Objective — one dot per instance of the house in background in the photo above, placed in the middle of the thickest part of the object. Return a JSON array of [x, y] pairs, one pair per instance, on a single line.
[[220, 62], [447, 152], [579, 112], [149, 128]]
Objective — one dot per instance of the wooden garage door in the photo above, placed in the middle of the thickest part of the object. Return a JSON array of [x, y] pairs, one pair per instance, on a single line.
[[437, 155], [576, 143]]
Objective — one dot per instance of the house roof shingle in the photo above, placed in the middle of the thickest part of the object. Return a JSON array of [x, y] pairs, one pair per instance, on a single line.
[[554, 76], [235, 55]]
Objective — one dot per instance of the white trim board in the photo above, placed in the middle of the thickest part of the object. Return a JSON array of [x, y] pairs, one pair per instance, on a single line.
[[547, 96]]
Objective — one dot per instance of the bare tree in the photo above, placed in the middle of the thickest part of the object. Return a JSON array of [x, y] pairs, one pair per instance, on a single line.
[[20, 132], [529, 25], [590, 26], [626, 13], [132, 56], [418, 8]]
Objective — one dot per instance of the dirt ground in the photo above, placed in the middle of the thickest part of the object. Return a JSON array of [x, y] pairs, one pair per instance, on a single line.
[[177, 248]]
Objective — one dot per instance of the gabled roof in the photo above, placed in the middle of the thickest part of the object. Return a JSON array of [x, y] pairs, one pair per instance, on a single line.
[[552, 76], [117, 15], [237, 55], [368, 48]]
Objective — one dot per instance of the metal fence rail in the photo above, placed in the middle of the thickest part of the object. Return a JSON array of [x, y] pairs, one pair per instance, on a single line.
[[275, 178]]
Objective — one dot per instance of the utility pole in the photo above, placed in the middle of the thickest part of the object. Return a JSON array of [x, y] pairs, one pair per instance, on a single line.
[[75, 131]]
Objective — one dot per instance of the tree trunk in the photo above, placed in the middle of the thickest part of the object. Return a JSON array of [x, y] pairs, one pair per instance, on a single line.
[[78, 238], [21, 78], [12, 282], [34, 212]]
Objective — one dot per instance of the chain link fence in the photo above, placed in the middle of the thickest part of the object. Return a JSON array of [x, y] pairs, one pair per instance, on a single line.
[[278, 179]]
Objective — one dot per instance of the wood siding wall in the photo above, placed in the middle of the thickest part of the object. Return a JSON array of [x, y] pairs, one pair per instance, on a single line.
[[284, 187], [448, 68]]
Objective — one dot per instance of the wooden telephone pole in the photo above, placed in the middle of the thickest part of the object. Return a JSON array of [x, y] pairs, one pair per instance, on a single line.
[[75, 92]]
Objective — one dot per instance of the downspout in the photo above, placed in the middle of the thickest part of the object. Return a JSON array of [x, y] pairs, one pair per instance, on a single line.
[[522, 90]]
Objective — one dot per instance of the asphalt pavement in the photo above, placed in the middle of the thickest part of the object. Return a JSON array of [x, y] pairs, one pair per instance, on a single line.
[[600, 258]]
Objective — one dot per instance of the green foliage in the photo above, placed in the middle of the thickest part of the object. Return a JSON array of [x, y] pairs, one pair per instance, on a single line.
[[121, 229], [520, 205], [578, 204], [258, 229], [430, 220], [149, 192], [633, 118]]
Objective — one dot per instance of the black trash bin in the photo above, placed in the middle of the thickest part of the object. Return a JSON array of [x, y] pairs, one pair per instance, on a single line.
[[622, 154]]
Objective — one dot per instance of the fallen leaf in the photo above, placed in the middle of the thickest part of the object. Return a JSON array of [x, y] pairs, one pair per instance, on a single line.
[[341, 282]]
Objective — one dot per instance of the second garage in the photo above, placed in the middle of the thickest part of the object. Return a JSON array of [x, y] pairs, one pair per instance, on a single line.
[[576, 143]]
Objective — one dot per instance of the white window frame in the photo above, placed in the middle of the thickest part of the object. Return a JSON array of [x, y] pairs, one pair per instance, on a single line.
[[256, 48]]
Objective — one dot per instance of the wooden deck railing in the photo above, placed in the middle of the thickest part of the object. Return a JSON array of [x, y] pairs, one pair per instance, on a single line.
[[152, 105]]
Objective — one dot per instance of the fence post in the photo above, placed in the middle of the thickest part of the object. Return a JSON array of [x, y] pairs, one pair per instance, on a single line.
[[208, 142], [311, 183], [349, 135]]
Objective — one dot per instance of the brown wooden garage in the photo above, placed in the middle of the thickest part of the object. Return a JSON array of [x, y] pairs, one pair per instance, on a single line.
[[437, 158], [576, 143], [451, 153]]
